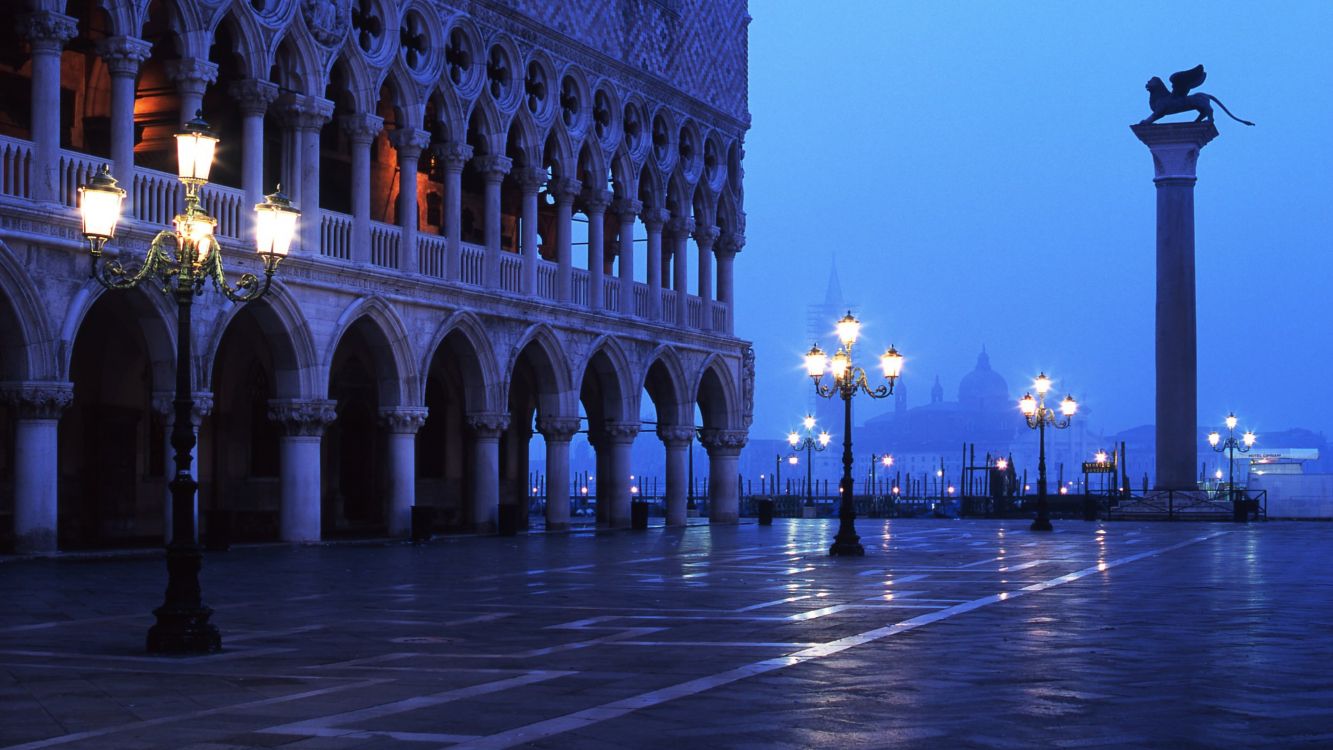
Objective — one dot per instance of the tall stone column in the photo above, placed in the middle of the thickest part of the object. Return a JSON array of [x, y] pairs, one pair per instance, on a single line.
[[361, 130], [558, 432], [619, 439], [724, 492], [408, 142], [303, 423], [530, 180], [493, 170], [1175, 153], [486, 429], [38, 406], [727, 247], [564, 190], [305, 116], [705, 237], [653, 220], [163, 403], [253, 98], [681, 227], [594, 205], [453, 156], [676, 439], [47, 32], [192, 77], [628, 211], [401, 423], [123, 55]]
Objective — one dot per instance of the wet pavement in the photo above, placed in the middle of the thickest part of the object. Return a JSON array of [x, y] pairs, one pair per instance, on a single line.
[[948, 634]]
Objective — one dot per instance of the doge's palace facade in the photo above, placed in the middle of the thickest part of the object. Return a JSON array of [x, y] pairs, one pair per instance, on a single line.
[[516, 216]]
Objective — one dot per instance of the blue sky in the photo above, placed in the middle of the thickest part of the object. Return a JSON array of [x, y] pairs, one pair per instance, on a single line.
[[971, 167]]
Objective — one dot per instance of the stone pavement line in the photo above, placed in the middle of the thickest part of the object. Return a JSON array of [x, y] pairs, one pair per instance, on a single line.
[[68, 738], [615, 709]]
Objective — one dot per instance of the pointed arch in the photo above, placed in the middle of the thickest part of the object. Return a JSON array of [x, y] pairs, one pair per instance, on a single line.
[[558, 153], [523, 139], [288, 337], [362, 91], [592, 171], [394, 372], [254, 56], [704, 207], [156, 321], [30, 353], [486, 129], [624, 175], [476, 359], [611, 370], [652, 189], [666, 384], [715, 393], [547, 355], [296, 64]]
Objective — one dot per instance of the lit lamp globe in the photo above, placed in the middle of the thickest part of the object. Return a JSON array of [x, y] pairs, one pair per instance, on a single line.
[[824, 439], [1042, 384], [849, 329], [1068, 406], [816, 361], [275, 225], [1028, 405], [1231, 421], [1214, 438], [99, 207], [793, 439], [195, 146], [1249, 439]]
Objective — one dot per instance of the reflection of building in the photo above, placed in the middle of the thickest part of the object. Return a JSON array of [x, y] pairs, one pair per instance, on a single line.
[[472, 176]]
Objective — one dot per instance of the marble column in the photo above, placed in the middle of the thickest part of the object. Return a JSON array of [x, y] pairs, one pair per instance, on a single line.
[[557, 432], [361, 130], [628, 211], [619, 440], [253, 98], [1175, 152], [164, 404], [47, 32], [681, 227], [37, 406], [312, 115], [408, 142], [530, 180], [401, 423], [493, 170], [123, 55], [727, 247], [453, 156], [594, 206], [192, 77], [704, 238], [564, 190], [653, 220], [676, 439], [303, 423], [486, 429], [724, 452]]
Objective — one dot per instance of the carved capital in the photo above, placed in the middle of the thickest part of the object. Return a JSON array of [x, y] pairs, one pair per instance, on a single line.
[[488, 426], [564, 189], [404, 420], [192, 75], [409, 142], [361, 128], [705, 236], [596, 201], [529, 179], [655, 218], [304, 418], [723, 441], [164, 403], [1175, 147], [729, 243], [124, 54], [621, 432], [304, 112], [452, 155], [253, 96], [675, 436], [626, 208], [38, 399], [558, 429], [47, 30], [679, 226], [493, 167]]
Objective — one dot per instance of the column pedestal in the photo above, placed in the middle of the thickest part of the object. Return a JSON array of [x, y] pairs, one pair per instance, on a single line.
[[619, 437], [38, 406], [303, 424], [724, 451], [557, 432], [486, 429], [677, 442]]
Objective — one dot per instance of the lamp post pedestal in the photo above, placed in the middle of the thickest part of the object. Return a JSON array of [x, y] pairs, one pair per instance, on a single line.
[[1043, 520], [847, 543]]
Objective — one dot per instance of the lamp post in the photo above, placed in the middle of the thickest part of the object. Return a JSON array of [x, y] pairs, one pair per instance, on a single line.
[[886, 460], [1231, 445], [808, 443], [1038, 415], [179, 261], [848, 379]]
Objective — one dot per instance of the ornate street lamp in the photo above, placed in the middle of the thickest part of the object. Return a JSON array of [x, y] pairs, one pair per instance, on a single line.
[[1231, 445], [179, 261], [884, 460], [848, 379], [1038, 415], [808, 443]]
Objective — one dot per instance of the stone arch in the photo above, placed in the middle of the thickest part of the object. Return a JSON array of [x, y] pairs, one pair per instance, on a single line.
[[450, 121], [652, 188], [125, 16], [726, 216], [296, 64], [666, 384], [486, 128], [545, 352], [26, 346], [250, 49], [481, 380], [361, 89], [154, 314], [289, 338], [624, 175], [524, 140], [610, 370], [394, 373], [558, 153], [704, 208], [715, 392], [592, 171]]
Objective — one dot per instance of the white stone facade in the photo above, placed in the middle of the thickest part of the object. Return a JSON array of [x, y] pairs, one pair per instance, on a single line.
[[448, 160]]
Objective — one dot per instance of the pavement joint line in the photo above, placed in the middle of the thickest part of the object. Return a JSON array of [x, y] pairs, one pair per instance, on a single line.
[[615, 709]]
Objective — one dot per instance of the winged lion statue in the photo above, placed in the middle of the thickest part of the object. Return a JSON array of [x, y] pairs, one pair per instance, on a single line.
[[1179, 99]]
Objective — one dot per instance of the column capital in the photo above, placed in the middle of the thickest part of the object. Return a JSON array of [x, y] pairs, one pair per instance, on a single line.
[[620, 432], [626, 208], [403, 420], [680, 226], [361, 127], [558, 429], [564, 189], [1175, 147], [191, 74], [529, 179], [47, 30], [493, 167], [654, 218], [454, 155], [729, 244], [305, 112], [37, 399], [164, 403], [705, 236], [488, 425], [596, 201], [409, 142], [724, 442], [124, 54], [675, 436], [253, 96], [303, 417]]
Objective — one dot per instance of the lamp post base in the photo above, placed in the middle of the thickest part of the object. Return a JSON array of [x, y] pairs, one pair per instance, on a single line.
[[1041, 524], [847, 547], [182, 621]]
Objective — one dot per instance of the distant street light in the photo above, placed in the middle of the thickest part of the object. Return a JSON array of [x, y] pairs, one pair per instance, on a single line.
[[1038, 415], [1231, 445], [808, 442]]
